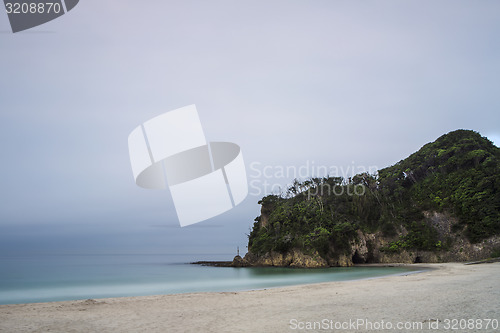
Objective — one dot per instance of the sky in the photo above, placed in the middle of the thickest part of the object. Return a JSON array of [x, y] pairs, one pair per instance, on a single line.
[[300, 86]]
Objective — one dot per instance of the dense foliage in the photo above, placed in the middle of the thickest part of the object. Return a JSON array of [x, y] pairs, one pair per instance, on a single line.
[[459, 174]]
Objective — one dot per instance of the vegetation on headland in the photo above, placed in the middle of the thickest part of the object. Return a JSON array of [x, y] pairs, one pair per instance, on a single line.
[[457, 175]]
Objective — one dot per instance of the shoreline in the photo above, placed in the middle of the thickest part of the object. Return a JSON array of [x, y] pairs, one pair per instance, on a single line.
[[215, 263], [450, 290], [247, 283]]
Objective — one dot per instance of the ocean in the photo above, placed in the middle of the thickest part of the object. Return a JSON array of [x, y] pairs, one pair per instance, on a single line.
[[47, 278]]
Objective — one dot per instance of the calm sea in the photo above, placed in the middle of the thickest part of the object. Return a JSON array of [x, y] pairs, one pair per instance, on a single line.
[[46, 278]]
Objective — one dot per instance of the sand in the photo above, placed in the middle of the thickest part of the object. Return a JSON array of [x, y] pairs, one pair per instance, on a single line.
[[425, 301]]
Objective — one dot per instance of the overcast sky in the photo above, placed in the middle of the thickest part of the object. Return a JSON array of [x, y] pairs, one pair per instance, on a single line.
[[297, 84]]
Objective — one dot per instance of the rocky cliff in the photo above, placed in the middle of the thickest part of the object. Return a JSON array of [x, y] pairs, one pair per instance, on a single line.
[[369, 248], [440, 204]]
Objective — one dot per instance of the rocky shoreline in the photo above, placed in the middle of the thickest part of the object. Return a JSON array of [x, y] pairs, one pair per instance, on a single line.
[[371, 248], [299, 260]]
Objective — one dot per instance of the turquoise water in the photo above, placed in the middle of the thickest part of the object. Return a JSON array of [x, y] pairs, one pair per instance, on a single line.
[[46, 278]]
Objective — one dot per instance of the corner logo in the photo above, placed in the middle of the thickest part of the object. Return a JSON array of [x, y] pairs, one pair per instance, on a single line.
[[26, 14], [205, 179]]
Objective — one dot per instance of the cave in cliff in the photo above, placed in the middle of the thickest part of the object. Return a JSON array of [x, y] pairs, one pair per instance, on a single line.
[[358, 259]]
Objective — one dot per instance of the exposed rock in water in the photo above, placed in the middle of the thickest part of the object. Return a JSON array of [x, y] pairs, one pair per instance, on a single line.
[[238, 261], [214, 263]]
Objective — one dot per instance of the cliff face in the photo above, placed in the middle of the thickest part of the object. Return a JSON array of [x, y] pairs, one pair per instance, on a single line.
[[441, 204], [292, 258], [372, 248]]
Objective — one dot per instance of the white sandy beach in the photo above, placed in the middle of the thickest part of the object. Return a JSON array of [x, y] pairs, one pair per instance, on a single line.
[[452, 291]]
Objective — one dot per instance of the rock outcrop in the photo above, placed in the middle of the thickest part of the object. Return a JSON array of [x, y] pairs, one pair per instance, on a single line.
[[293, 258]]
